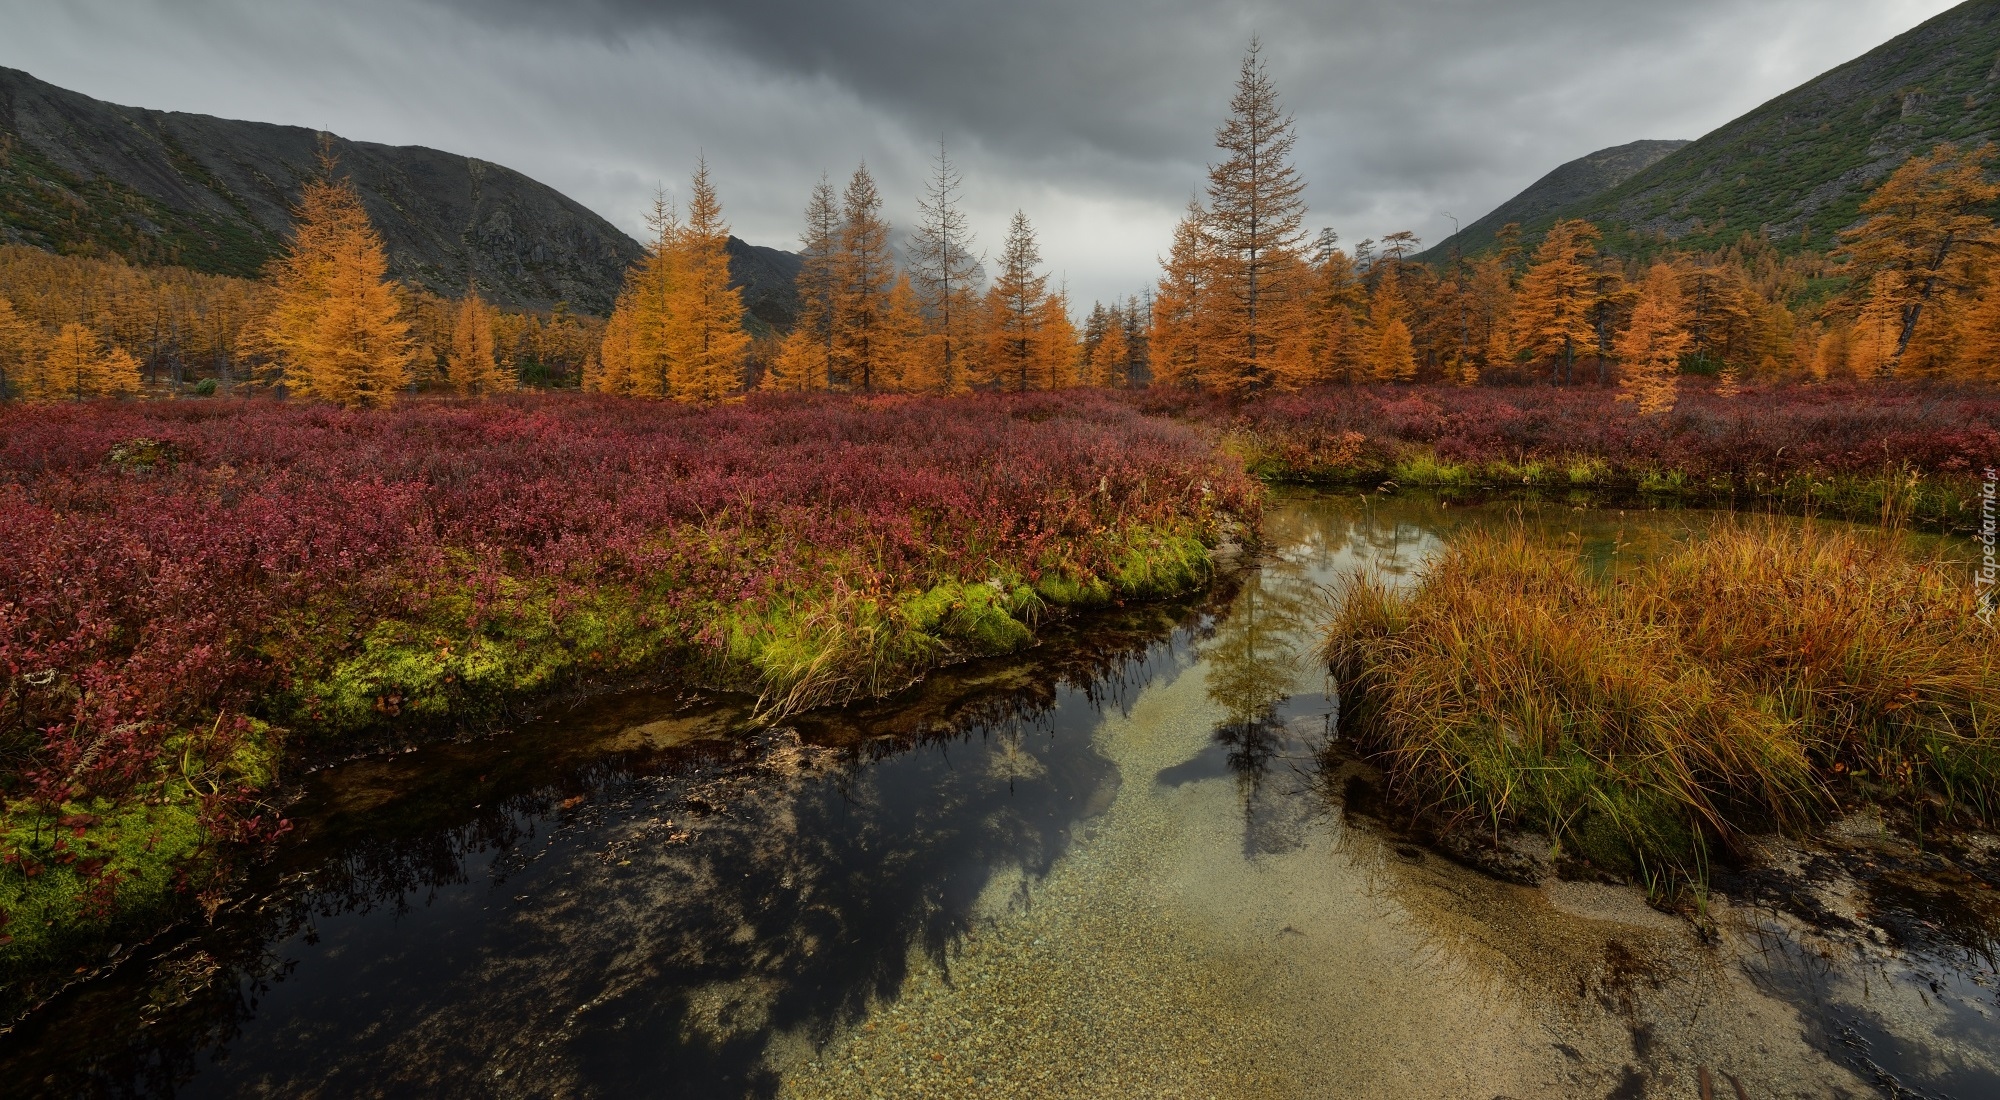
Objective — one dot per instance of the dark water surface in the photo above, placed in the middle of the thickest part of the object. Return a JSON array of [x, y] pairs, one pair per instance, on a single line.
[[1115, 866]]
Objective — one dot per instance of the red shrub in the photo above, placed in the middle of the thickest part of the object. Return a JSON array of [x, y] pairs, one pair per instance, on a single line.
[[1832, 429], [141, 593]]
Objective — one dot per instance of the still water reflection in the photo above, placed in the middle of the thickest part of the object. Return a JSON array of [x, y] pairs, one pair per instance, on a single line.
[[1111, 868]]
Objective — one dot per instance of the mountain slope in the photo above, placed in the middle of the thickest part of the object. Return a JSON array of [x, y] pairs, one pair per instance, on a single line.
[[1575, 182], [81, 175], [1798, 167]]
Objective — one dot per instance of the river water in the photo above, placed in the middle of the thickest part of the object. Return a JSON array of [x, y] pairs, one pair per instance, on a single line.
[[1134, 863]]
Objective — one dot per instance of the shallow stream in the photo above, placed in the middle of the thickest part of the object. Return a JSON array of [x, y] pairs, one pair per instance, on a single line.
[[1115, 867]]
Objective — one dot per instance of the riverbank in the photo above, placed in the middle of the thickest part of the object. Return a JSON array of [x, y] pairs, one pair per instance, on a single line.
[[1912, 454], [197, 595], [1650, 719]]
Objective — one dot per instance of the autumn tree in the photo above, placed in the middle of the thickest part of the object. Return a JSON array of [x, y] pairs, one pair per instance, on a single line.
[[1183, 317], [945, 274], [1391, 355], [473, 369], [808, 349], [1875, 339], [863, 342], [1058, 350], [705, 338], [1649, 350], [336, 327], [18, 347], [1611, 300], [1552, 311], [76, 365], [1015, 312], [1928, 228], [1110, 355], [1254, 225], [634, 356], [1336, 339]]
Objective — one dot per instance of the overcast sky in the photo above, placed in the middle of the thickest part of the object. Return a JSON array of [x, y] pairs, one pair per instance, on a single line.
[[1094, 116]]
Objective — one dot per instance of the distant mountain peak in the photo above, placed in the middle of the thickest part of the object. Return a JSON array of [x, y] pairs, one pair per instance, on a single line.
[[81, 175], [1797, 168], [1574, 182]]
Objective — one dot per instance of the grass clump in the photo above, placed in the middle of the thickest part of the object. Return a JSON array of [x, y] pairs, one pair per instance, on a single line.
[[1753, 678]]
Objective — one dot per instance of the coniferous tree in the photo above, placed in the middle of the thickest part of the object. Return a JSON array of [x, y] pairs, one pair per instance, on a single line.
[[1552, 312], [808, 349], [1058, 352], [862, 345], [634, 357], [1392, 357], [1874, 341], [1979, 337], [1928, 228], [473, 369], [945, 274], [1014, 311], [18, 347], [336, 326], [76, 365], [1181, 334], [706, 343], [1650, 348], [1254, 224], [1338, 300], [1110, 359], [903, 363], [1138, 323]]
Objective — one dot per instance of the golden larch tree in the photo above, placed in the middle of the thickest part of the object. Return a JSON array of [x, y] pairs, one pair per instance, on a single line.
[[1928, 227], [807, 354], [19, 347], [1649, 350], [336, 326], [77, 365], [1058, 351], [1014, 311], [946, 274], [1873, 342], [634, 357], [1180, 327], [1978, 358], [1254, 225], [1552, 311], [1111, 356], [866, 271], [472, 367], [1391, 351], [902, 362], [1336, 352], [706, 343]]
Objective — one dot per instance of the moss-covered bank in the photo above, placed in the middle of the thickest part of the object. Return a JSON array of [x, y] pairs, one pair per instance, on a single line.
[[99, 870]]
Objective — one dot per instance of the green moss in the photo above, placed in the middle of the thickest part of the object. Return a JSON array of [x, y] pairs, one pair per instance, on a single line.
[[1162, 565], [1664, 482], [94, 870], [1587, 471], [1424, 469]]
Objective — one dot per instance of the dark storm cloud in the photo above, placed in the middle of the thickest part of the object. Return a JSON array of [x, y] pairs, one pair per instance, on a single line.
[[1094, 117], [1402, 105]]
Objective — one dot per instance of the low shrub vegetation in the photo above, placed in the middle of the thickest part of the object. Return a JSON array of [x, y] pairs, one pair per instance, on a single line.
[[1760, 676], [193, 592], [1841, 450]]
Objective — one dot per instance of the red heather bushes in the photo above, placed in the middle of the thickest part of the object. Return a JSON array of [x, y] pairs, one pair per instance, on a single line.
[[164, 564], [1832, 429]]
